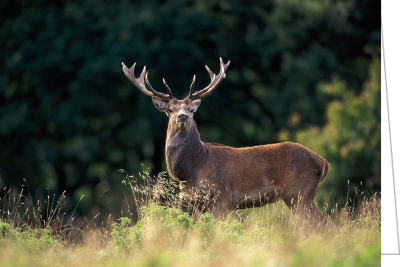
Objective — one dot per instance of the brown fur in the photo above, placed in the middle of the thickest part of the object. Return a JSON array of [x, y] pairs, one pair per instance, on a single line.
[[242, 177]]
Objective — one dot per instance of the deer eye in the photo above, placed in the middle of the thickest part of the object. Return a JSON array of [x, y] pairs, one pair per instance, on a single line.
[[192, 110], [170, 110]]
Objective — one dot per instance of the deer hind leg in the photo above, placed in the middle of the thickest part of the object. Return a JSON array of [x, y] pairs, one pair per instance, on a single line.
[[301, 203], [316, 215], [306, 210]]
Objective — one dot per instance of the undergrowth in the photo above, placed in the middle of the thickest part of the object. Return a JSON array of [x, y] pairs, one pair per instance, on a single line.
[[161, 230]]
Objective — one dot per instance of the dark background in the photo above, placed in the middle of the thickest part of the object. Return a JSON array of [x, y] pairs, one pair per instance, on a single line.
[[303, 71]]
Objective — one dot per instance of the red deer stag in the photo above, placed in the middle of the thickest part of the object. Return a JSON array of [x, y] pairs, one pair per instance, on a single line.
[[242, 177]]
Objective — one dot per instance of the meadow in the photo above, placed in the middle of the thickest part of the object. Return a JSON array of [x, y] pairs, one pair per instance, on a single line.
[[157, 231]]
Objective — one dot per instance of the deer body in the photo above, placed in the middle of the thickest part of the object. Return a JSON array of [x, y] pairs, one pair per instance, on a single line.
[[244, 177], [230, 177]]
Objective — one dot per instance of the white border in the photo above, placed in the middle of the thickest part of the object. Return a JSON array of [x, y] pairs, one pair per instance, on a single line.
[[389, 225]]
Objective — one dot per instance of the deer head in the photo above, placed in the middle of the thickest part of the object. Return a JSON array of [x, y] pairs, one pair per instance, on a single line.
[[180, 112]]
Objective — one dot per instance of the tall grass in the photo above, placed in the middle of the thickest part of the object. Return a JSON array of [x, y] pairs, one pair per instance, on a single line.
[[20, 213], [158, 232]]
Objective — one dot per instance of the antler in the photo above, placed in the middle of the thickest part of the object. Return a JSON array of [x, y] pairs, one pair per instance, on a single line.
[[215, 81], [139, 83]]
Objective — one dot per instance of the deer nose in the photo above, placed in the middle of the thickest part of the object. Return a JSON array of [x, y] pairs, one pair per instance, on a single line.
[[182, 117]]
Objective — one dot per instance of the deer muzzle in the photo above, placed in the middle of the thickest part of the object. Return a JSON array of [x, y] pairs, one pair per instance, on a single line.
[[182, 118]]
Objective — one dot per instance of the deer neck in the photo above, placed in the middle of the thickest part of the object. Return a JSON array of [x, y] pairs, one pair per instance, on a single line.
[[184, 152]]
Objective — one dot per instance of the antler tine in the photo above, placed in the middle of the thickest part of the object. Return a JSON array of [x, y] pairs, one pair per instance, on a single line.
[[160, 95], [191, 86], [212, 76], [140, 83], [169, 90], [215, 81]]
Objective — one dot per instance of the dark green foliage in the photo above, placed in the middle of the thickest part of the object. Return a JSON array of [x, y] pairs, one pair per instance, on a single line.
[[32, 239], [69, 118], [5, 230]]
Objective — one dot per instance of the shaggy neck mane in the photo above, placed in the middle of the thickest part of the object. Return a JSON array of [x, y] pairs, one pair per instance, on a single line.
[[184, 152]]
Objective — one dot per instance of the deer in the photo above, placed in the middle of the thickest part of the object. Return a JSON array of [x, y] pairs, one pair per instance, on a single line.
[[233, 178]]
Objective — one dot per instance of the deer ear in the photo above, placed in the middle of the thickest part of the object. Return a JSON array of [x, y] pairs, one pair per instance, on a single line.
[[196, 104], [160, 104]]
